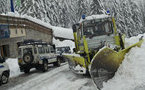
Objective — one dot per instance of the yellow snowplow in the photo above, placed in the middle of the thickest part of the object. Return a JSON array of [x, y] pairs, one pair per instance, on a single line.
[[99, 48]]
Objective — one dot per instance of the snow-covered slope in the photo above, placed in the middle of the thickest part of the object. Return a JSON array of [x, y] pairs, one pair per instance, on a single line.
[[129, 14], [131, 73], [14, 67]]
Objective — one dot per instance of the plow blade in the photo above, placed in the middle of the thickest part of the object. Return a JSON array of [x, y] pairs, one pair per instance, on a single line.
[[76, 64], [106, 62]]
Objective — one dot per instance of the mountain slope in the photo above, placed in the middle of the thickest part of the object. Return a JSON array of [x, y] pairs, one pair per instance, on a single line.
[[129, 14]]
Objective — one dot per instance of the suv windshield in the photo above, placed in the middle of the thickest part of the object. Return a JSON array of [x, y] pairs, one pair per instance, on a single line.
[[97, 28]]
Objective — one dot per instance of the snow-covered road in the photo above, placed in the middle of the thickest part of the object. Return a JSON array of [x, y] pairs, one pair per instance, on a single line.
[[54, 79], [129, 76]]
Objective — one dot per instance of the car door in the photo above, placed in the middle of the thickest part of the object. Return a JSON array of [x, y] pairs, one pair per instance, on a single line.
[[3, 66], [52, 55]]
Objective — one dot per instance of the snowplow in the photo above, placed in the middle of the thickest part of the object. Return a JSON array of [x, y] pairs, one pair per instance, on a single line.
[[99, 48]]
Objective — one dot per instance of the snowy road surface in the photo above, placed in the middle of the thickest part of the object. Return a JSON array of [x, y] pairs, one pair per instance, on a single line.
[[54, 79], [129, 76]]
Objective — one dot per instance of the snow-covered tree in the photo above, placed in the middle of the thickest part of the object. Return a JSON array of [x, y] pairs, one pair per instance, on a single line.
[[129, 14]]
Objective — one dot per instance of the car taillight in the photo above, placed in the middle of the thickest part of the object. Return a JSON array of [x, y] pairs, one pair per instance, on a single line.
[[20, 60]]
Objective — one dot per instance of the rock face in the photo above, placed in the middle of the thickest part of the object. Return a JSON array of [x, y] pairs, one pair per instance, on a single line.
[[129, 14]]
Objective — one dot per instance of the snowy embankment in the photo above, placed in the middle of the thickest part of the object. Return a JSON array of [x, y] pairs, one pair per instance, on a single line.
[[131, 73], [14, 67]]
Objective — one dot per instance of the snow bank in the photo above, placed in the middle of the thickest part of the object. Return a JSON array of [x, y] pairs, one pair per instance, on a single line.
[[63, 32], [133, 40], [131, 73], [14, 67]]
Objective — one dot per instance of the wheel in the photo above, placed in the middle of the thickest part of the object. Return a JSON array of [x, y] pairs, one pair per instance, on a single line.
[[27, 70], [4, 78], [37, 68], [28, 58], [57, 63], [45, 66]]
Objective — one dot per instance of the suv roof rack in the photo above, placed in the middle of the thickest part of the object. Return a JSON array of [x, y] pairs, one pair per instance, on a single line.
[[31, 42]]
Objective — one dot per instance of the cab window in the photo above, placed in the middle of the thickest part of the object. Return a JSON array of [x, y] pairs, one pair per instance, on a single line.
[[41, 50], [92, 29], [35, 50], [47, 50]]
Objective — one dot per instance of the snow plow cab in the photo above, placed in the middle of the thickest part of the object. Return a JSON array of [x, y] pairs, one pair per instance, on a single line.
[[99, 48]]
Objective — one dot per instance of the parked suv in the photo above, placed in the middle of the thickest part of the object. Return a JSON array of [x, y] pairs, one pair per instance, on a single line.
[[36, 54], [4, 71], [61, 51]]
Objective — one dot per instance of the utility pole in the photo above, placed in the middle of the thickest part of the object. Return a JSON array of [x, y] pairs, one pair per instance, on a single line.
[[12, 6]]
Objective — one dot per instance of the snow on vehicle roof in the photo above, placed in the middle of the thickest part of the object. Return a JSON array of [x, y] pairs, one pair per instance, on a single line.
[[16, 14], [63, 32], [57, 31], [100, 16]]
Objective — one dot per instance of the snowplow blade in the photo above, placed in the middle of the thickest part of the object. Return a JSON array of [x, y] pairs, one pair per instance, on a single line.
[[76, 64], [106, 62]]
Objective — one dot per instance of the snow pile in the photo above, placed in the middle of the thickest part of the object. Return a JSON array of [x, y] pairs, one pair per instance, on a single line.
[[131, 73], [14, 67], [63, 32], [81, 70], [133, 40]]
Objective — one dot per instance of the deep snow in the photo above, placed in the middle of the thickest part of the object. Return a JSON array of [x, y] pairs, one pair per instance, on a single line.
[[60, 78], [130, 75], [14, 67]]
